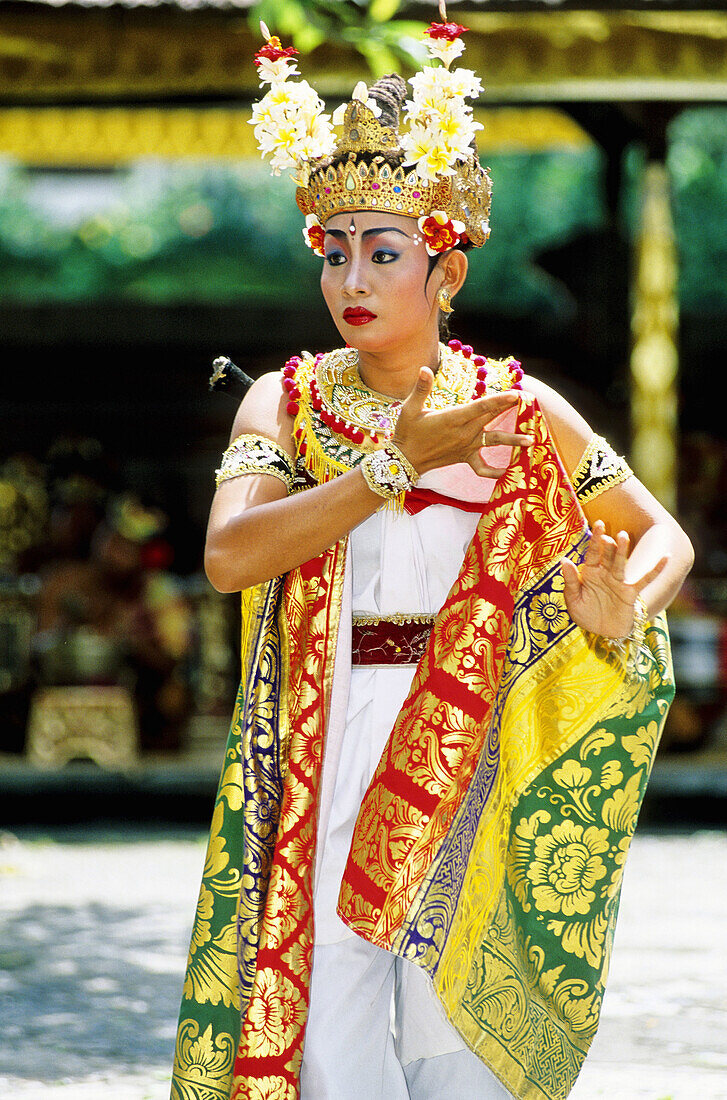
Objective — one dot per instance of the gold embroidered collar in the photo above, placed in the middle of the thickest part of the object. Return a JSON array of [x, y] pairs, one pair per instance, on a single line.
[[338, 419]]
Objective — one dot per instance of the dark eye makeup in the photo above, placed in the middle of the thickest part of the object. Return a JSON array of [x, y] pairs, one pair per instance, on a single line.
[[380, 256]]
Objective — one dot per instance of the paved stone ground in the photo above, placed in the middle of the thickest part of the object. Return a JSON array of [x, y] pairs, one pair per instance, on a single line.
[[93, 938]]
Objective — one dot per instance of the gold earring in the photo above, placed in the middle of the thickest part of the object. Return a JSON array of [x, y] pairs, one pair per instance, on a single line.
[[444, 300]]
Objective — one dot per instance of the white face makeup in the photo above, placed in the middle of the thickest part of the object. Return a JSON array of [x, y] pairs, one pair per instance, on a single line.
[[374, 280]]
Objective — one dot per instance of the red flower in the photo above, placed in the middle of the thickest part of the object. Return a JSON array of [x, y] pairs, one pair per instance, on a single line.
[[314, 234], [447, 31], [273, 51], [440, 232]]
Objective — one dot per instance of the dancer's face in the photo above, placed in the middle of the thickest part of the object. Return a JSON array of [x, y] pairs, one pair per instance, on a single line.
[[375, 280]]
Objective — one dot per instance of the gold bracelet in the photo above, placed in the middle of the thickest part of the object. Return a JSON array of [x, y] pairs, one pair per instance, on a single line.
[[627, 647], [396, 453], [385, 473]]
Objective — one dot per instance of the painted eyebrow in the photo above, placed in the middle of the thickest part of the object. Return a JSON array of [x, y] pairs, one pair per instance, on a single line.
[[339, 233]]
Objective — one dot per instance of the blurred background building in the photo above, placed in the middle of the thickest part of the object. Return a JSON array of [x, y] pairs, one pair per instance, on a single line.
[[140, 237]]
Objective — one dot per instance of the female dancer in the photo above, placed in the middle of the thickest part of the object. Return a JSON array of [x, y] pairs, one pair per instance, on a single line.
[[454, 672]]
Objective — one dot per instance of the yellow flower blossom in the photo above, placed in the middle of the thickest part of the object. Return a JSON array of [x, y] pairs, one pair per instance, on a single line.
[[566, 866], [548, 614]]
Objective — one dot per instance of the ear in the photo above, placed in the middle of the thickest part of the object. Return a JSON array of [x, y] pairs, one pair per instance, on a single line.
[[453, 267]]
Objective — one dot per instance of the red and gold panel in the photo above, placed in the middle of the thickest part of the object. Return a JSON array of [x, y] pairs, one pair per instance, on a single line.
[[271, 1039]]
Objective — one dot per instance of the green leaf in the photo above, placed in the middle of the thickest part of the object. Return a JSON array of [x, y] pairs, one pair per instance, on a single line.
[[380, 11], [381, 60]]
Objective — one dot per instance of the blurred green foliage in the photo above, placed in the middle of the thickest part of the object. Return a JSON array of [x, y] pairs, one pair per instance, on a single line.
[[178, 231], [174, 232], [369, 26], [697, 164]]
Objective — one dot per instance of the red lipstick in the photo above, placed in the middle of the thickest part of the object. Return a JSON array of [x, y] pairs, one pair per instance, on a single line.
[[357, 315]]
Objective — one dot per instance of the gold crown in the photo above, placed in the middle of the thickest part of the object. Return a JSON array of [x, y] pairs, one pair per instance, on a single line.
[[371, 182]]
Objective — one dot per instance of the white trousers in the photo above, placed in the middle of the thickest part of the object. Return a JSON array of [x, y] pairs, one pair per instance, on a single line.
[[363, 1003]]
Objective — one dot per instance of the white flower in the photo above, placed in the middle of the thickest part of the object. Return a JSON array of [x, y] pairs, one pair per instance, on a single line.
[[320, 140], [276, 72], [442, 126], [457, 130], [290, 125], [440, 136], [424, 147], [432, 85], [444, 50], [464, 82]]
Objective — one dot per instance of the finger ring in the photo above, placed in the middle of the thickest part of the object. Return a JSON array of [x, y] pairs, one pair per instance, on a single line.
[[484, 439]]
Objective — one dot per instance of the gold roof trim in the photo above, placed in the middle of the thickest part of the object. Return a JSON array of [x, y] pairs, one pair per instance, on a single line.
[[108, 136], [51, 53]]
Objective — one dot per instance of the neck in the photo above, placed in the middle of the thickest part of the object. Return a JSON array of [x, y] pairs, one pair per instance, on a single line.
[[394, 372]]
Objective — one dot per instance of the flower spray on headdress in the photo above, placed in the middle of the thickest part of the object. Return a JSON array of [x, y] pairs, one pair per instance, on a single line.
[[430, 172]]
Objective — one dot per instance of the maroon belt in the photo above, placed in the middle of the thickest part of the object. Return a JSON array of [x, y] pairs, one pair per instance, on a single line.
[[397, 640]]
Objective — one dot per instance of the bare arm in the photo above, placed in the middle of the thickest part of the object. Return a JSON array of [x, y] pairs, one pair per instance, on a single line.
[[256, 531], [637, 548]]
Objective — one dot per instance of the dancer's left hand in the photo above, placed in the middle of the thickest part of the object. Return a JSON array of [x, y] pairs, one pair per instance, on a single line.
[[598, 596]]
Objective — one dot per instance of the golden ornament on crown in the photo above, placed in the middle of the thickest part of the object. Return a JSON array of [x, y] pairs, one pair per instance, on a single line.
[[375, 184]]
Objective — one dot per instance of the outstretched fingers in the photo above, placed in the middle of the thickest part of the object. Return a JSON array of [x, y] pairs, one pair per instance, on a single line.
[[620, 555], [506, 439], [601, 547], [485, 409]]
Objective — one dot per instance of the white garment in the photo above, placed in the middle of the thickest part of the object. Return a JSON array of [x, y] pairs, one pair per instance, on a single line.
[[396, 564], [350, 1050]]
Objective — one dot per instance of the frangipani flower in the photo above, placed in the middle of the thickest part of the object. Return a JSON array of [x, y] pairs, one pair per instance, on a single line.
[[289, 121], [433, 85], [274, 62], [465, 82], [436, 142], [445, 42], [274, 71], [440, 232], [445, 51], [442, 127], [424, 148], [456, 126]]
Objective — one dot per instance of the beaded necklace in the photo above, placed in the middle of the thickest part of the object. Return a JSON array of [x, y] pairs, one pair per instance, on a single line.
[[339, 420]]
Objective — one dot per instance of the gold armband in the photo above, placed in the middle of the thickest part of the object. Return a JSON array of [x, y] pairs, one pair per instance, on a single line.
[[254, 454], [599, 469]]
